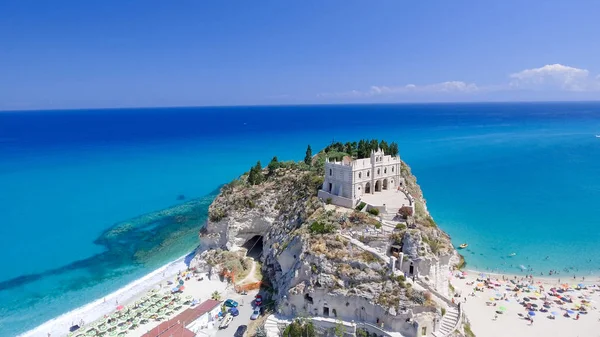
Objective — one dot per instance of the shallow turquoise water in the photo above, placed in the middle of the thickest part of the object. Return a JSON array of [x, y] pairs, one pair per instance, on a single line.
[[505, 178]]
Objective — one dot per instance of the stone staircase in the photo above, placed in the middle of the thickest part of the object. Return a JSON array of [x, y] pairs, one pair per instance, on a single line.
[[448, 323], [273, 326]]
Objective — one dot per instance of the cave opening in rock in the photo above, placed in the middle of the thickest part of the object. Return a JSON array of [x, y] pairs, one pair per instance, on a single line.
[[254, 246]]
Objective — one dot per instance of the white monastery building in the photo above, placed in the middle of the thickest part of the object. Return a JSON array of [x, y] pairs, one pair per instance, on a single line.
[[346, 182]]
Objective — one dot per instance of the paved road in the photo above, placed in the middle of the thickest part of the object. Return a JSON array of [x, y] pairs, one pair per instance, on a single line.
[[245, 309]]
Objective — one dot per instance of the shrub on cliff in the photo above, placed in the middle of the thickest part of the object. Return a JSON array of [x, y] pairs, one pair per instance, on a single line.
[[215, 215], [299, 328], [318, 227], [373, 211], [416, 296]]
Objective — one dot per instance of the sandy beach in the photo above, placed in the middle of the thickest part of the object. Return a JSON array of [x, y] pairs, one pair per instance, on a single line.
[[497, 310], [127, 296]]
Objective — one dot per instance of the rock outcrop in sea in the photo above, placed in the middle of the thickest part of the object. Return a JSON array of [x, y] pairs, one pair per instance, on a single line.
[[323, 260]]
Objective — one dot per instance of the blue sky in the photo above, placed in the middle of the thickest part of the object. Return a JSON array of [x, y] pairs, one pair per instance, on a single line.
[[78, 54]]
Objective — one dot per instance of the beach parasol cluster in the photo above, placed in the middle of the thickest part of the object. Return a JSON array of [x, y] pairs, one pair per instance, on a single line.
[[154, 307], [565, 300]]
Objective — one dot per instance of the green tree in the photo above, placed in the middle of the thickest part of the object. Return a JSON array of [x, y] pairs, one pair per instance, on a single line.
[[255, 176], [384, 146], [252, 176], [373, 145], [363, 151], [308, 157], [348, 148], [340, 329], [273, 165], [300, 328], [393, 148], [216, 296]]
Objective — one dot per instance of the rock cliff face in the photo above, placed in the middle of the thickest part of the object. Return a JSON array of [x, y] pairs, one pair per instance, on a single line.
[[311, 263]]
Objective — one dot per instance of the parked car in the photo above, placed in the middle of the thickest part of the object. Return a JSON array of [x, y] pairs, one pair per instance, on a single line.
[[231, 303], [255, 313], [258, 300], [226, 320], [240, 331], [234, 312]]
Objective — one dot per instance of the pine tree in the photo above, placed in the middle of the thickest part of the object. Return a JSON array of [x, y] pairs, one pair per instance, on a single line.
[[373, 146], [308, 157], [348, 148], [363, 152], [259, 176], [255, 176], [273, 165], [384, 146], [393, 148]]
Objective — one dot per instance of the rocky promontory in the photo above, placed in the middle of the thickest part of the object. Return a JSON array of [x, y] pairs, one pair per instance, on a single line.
[[317, 260]]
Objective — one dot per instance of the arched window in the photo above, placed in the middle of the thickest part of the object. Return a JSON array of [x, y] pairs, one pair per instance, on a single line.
[[330, 172], [384, 170], [392, 169], [368, 173], [378, 171], [359, 175]]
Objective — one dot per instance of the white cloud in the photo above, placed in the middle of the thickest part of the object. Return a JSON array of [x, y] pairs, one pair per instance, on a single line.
[[554, 77], [452, 86], [551, 77], [444, 87]]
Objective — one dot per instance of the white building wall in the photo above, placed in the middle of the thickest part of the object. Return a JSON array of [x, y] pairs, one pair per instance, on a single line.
[[349, 180], [208, 319]]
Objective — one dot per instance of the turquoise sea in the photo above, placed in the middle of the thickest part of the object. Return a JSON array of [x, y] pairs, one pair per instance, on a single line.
[[519, 177]]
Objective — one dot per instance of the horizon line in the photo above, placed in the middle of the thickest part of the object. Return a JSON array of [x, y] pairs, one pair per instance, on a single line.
[[299, 105]]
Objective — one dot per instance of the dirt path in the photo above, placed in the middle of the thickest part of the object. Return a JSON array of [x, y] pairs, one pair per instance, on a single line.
[[250, 278]]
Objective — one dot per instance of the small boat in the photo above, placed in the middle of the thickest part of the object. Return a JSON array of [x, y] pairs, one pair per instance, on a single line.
[[512, 254], [463, 246], [597, 136]]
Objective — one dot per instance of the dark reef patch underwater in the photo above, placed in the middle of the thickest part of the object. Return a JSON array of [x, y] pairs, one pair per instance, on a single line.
[[133, 242]]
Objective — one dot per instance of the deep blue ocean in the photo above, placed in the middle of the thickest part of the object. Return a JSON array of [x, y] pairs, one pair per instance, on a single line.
[[522, 177]]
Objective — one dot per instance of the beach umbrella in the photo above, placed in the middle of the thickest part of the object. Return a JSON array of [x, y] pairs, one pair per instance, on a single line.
[[120, 307], [581, 285], [502, 308], [531, 313], [554, 313], [570, 312]]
